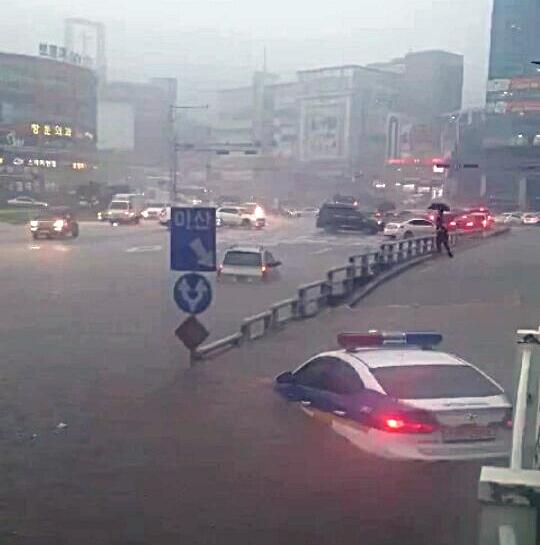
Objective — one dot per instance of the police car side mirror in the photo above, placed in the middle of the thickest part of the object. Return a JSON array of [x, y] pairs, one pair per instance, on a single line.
[[285, 378]]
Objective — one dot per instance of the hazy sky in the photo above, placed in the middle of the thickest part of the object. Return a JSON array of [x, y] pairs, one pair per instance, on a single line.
[[212, 43]]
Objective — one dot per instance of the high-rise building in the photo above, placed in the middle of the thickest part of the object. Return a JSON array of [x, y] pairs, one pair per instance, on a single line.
[[505, 141], [515, 40], [514, 81]]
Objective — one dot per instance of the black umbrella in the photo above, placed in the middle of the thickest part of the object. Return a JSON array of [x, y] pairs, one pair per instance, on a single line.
[[440, 206]]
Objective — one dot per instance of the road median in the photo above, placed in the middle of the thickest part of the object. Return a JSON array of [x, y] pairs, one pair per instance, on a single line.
[[348, 285]]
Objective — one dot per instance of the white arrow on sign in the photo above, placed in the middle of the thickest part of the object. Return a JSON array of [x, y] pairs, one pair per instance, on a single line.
[[204, 257], [186, 291]]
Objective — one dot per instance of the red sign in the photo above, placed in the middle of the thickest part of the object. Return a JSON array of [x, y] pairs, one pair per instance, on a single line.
[[523, 106], [415, 161], [525, 84]]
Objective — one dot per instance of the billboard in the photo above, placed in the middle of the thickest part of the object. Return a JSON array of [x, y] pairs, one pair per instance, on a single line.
[[325, 129]]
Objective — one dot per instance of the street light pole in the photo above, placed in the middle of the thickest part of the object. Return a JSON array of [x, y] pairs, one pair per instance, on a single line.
[[174, 145]]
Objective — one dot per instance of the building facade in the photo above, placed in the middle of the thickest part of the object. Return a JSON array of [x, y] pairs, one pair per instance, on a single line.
[[346, 124], [48, 122], [505, 141], [135, 118]]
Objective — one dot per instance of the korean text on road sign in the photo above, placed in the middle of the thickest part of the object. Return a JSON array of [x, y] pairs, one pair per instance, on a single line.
[[193, 239]]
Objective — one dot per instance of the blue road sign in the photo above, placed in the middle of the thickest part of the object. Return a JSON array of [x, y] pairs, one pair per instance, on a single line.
[[193, 293], [193, 239]]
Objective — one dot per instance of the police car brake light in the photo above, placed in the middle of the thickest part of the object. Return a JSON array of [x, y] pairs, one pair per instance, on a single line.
[[350, 341]]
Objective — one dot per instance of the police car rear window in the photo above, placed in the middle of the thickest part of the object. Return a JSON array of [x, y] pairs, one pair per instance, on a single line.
[[242, 259], [433, 381]]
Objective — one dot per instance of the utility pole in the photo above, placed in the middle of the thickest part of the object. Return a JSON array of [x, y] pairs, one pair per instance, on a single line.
[[175, 147]]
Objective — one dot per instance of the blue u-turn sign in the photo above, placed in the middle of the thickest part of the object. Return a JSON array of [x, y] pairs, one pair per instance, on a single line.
[[193, 239]]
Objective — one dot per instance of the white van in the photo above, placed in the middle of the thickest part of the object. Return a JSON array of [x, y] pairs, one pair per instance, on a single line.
[[126, 208]]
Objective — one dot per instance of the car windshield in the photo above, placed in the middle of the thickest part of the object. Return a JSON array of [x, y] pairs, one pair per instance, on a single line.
[[243, 259], [342, 211], [119, 205], [51, 214], [433, 382]]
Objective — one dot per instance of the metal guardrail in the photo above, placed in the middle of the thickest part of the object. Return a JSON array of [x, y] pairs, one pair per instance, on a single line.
[[283, 312], [340, 283], [256, 326], [364, 265], [311, 298], [217, 346]]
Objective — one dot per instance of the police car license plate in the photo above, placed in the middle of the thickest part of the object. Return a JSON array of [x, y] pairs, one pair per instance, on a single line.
[[468, 432]]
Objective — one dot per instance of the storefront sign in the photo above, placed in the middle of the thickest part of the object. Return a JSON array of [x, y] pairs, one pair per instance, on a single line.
[[51, 130], [47, 163]]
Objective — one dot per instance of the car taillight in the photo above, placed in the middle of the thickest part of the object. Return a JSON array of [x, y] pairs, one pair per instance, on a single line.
[[507, 420], [263, 269], [220, 268], [470, 224], [484, 223], [407, 422], [453, 224]]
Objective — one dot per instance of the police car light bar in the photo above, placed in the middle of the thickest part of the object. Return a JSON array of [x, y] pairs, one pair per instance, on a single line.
[[382, 338]]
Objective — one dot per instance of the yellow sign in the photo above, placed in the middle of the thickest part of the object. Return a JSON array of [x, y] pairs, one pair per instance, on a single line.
[[51, 130]]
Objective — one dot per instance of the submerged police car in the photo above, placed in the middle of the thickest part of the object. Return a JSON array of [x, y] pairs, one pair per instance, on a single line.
[[392, 395]]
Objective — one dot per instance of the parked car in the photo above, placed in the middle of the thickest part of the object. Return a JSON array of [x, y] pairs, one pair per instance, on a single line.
[[344, 217], [449, 218], [531, 218], [309, 211], [54, 223], [103, 215], [248, 263], [88, 202], [126, 208], [414, 227], [153, 210], [256, 213], [509, 218], [239, 216], [345, 199], [26, 202], [474, 221]]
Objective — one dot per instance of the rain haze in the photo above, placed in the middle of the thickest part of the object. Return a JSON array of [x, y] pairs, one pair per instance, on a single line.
[[269, 272], [210, 44]]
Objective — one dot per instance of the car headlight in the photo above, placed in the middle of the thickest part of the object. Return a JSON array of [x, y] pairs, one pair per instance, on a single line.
[[144, 213], [259, 212], [99, 215], [33, 223], [58, 225]]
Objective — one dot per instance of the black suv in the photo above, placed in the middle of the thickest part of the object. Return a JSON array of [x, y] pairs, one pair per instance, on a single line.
[[335, 217], [55, 222]]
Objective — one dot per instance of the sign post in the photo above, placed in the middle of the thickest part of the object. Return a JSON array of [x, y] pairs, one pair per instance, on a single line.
[[193, 250]]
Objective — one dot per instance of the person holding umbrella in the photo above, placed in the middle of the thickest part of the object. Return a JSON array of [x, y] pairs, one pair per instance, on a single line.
[[441, 230]]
